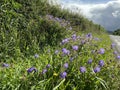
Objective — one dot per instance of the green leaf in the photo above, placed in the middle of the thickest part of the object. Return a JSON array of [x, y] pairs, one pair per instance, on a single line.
[[16, 5], [104, 84], [55, 88]]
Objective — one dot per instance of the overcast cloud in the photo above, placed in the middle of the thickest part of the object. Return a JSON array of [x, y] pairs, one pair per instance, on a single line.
[[106, 14]]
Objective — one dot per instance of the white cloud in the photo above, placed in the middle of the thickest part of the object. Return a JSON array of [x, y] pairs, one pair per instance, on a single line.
[[107, 14], [116, 14]]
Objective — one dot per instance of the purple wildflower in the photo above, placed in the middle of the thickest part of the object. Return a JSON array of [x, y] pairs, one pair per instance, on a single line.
[[31, 70], [48, 65], [89, 35], [36, 55], [113, 45], [83, 42], [65, 41], [58, 19], [75, 47], [115, 52], [5, 65], [82, 69], [71, 58], [96, 39], [44, 71], [78, 37], [101, 63], [66, 65], [49, 16], [101, 51], [97, 69], [65, 51], [89, 61], [74, 36], [63, 74], [118, 57]]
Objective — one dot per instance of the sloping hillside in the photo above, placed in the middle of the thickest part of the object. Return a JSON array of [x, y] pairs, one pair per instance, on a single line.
[[34, 24], [43, 47]]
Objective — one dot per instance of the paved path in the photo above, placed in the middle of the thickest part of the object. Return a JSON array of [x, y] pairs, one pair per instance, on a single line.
[[116, 40]]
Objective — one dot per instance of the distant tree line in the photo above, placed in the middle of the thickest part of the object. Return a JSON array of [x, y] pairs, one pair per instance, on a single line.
[[116, 32]]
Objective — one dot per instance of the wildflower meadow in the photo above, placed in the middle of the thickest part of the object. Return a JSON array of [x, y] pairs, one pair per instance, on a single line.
[[43, 47]]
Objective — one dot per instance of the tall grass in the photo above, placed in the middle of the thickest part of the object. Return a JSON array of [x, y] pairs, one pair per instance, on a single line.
[[43, 47]]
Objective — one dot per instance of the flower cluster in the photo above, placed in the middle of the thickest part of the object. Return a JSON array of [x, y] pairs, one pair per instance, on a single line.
[[117, 56], [65, 51], [46, 69], [77, 44], [61, 21], [65, 40], [96, 69]]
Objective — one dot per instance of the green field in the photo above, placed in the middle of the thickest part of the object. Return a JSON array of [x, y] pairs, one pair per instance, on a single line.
[[43, 47]]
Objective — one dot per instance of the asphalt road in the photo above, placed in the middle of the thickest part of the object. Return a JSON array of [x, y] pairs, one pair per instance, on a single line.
[[116, 40]]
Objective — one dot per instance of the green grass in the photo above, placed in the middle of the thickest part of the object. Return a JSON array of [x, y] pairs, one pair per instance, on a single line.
[[30, 34]]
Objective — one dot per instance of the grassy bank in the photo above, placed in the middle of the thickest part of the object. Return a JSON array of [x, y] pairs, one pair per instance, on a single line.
[[43, 47]]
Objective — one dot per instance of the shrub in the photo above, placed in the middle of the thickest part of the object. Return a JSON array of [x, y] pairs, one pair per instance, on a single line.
[[116, 32]]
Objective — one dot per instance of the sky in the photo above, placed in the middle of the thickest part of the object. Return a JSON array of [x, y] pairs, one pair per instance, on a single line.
[[103, 12]]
